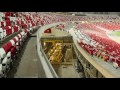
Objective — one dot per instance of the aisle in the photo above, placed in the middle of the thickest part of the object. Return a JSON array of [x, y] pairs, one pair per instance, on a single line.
[[28, 64]]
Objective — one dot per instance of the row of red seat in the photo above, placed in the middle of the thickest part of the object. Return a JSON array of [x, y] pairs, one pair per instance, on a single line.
[[7, 25], [103, 47], [10, 50], [14, 23], [109, 25]]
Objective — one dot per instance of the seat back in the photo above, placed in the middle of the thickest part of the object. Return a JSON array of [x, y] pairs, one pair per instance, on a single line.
[[16, 38], [5, 47], [12, 42], [13, 51]]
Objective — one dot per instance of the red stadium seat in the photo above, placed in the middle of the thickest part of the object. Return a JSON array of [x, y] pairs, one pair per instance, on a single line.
[[15, 28], [8, 30], [13, 52], [7, 47], [8, 23], [7, 14]]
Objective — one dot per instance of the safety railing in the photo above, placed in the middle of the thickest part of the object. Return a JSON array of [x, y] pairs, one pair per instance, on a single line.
[[49, 70]]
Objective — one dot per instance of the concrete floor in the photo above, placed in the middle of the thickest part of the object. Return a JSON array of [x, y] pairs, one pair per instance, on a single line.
[[67, 71], [27, 65]]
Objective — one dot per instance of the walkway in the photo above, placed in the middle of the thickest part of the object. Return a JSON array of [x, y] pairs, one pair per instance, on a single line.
[[28, 64]]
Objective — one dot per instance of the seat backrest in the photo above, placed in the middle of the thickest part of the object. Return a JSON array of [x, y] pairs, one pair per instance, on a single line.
[[26, 31], [12, 42], [7, 14], [5, 47], [15, 28], [13, 50], [6, 28], [8, 23], [19, 35], [16, 38], [9, 44]]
